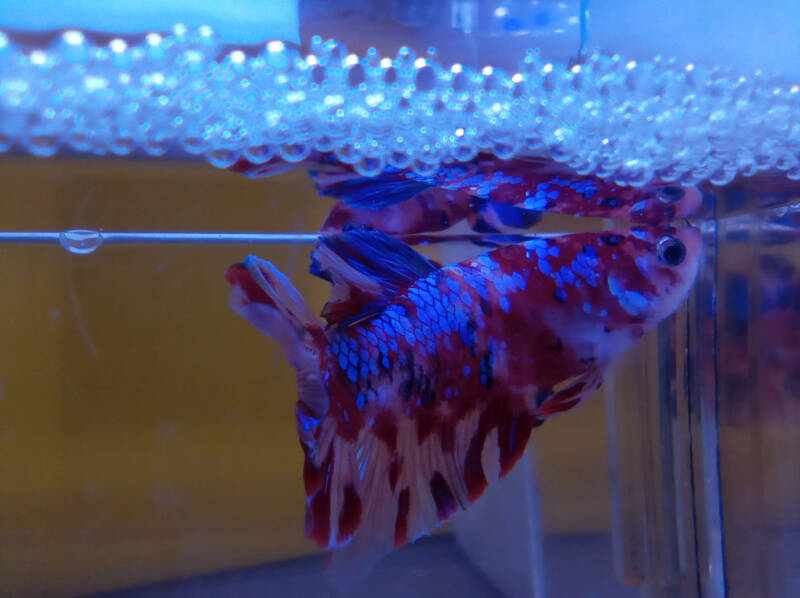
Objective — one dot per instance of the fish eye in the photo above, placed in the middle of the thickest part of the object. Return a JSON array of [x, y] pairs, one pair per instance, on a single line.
[[671, 250], [670, 194]]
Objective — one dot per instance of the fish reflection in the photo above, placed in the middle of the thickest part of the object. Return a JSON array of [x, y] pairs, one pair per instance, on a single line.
[[490, 194]]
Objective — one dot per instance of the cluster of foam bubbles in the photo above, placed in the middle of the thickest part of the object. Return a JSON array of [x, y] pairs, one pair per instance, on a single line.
[[618, 119]]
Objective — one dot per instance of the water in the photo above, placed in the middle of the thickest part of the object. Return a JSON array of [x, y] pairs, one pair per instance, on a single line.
[[146, 415], [148, 438]]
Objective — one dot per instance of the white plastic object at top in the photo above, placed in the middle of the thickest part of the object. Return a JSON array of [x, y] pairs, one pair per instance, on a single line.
[[233, 21], [744, 35]]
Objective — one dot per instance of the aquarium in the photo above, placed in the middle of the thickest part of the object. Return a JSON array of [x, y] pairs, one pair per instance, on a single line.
[[463, 217]]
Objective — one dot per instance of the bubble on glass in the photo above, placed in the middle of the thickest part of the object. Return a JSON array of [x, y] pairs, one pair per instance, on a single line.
[[80, 241]]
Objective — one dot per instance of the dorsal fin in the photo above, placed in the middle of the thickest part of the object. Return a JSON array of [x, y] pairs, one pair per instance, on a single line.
[[367, 269], [369, 193]]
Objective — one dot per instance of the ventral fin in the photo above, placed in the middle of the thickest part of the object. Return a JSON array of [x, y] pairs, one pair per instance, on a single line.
[[569, 394], [367, 269]]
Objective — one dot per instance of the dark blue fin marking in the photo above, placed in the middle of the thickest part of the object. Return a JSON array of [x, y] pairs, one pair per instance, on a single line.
[[481, 226], [392, 264], [371, 193], [383, 258], [515, 216]]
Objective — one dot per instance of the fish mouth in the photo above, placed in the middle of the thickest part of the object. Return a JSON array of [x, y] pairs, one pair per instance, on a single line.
[[245, 286]]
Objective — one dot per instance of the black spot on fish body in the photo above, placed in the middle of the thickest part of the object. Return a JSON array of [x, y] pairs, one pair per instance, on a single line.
[[486, 307], [428, 395], [609, 202], [407, 387], [468, 333], [443, 496], [486, 370], [610, 239]]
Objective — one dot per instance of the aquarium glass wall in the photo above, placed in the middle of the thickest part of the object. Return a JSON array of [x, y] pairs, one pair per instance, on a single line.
[[377, 297]]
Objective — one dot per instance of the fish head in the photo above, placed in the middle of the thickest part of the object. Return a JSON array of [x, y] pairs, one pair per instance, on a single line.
[[666, 261], [617, 285]]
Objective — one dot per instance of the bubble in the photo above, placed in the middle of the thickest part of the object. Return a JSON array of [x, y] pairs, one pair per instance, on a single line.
[[323, 143], [222, 157], [425, 169], [80, 241], [295, 152], [682, 123], [370, 165], [259, 154], [399, 159], [122, 145], [793, 173], [348, 153], [465, 152], [73, 47], [195, 143], [426, 78], [42, 144], [356, 75], [504, 150], [722, 176], [156, 146], [279, 56]]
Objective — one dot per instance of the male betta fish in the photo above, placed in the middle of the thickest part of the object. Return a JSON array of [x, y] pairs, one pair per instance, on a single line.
[[427, 381]]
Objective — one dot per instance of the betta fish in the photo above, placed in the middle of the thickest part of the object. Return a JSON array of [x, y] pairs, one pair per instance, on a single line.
[[426, 382], [490, 194]]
